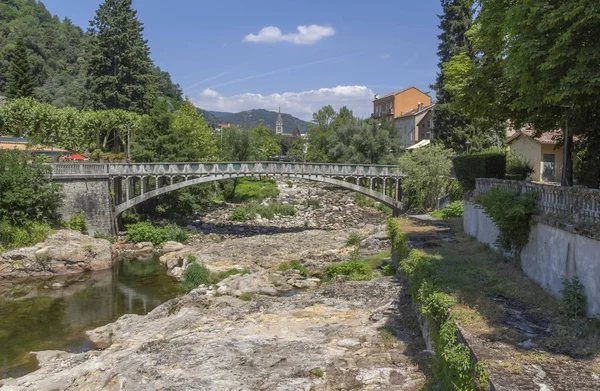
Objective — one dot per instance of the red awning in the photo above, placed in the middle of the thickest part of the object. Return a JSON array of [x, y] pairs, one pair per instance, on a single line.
[[76, 156]]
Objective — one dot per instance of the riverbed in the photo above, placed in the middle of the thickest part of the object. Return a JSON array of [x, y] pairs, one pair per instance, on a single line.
[[54, 313]]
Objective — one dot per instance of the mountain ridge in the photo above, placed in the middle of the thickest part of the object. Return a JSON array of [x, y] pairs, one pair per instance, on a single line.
[[253, 118]]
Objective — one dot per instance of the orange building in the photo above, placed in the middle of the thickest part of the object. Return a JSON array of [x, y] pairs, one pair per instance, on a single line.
[[399, 103]]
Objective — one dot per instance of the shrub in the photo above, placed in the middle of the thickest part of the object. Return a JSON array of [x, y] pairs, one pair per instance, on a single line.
[[294, 265], [573, 301], [398, 239], [248, 189], [362, 200], [479, 165], [512, 215], [455, 191], [77, 222], [289, 184], [518, 166], [14, 237], [427, 170], [357, 270], [146, 232], [455, 209], [195, 275], [354, 239], [38, 232]]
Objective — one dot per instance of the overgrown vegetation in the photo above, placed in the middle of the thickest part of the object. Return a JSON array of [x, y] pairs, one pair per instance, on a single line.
[[364, 201], [573, 301], [354, 239], [488, 164], [254, 189], [195, 275], [294, 265], [77, 222], [399, 244], [428, 173], [512, 215], [146, 232], [518, 167], [252, 210], [452, 361], [456, 209], [355, 270]]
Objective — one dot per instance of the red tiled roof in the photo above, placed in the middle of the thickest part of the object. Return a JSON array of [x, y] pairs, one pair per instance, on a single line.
[[398, 92], [544, 138], [412, 112]]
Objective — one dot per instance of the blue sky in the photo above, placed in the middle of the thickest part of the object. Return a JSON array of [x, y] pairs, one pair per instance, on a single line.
[[346, 51]]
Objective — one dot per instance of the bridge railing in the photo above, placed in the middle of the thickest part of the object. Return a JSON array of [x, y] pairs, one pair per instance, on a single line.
[[74, 169], [252, 168]]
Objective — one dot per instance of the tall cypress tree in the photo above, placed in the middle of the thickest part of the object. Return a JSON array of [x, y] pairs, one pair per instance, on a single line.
[[20, 81], [120, 73], [457, 18]]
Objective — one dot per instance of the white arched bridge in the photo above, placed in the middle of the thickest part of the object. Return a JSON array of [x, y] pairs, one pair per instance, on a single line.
[[127, 185]]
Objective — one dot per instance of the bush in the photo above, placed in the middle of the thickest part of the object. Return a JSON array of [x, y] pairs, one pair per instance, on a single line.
[[248, 189], [195, 275], [479, 165], [398, 239], [357, 270], [294, 265], [455, 191], [146, 232], [77, 222], [354, 239], [455, 209], [573, 301], [14, 237], [428, 171], [512, 215], [518, 166]]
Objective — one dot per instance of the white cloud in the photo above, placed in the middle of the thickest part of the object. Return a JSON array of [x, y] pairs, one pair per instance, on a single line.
[[386, 56], [299, 104], [306, 35]]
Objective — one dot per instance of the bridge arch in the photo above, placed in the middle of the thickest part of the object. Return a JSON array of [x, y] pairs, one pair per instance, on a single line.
[[396, 205]]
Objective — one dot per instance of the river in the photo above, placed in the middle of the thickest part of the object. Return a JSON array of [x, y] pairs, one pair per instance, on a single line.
[[54, 313]]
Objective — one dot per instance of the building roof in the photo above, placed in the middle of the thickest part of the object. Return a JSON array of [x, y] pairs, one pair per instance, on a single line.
[[398, 92], [420, 144], [22, 144], [414, 112], [544, 138]]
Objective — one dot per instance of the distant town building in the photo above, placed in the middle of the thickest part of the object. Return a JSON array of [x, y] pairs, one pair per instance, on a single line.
[[279, 124], [22, 144], [398, 103], [415, 125], [541, 152], [225, 126]]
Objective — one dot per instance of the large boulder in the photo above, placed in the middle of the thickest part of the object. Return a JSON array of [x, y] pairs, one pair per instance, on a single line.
[[63, 252], [142, 250]]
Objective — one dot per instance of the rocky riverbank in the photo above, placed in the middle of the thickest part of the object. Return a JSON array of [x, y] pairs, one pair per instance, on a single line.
[[63, 252]]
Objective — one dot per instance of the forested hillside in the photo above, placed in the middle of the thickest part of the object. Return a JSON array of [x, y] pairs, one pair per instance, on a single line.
[[252, 118], [59, 54]]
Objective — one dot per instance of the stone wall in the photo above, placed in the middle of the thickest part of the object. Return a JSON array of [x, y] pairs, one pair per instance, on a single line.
[[550, 254], [93, 197]]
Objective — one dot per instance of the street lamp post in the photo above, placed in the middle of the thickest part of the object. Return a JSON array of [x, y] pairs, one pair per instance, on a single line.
[[51, 146], [467, 143]]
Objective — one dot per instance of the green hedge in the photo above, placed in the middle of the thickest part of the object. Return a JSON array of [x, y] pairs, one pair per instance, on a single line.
[[479, 165]]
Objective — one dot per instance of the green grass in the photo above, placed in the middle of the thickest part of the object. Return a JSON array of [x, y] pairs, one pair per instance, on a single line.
[[195, 275], [294, 265], [356, 270], [250, 211], [254, 189], [246, 297], [388, 337]]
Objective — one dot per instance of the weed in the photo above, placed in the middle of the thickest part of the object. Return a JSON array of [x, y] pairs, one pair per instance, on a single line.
[[294, 265], [246, 297], [318, 372], [357, 270], [573, 301], [289, 184], [77, 222], [312, 203], [388, 337], [195, 275], [354, 239]]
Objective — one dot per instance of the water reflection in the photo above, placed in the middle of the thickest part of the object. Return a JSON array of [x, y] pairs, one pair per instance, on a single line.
[[36, 314]]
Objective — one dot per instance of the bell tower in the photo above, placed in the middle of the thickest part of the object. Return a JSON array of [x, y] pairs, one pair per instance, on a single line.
[[279, 124]]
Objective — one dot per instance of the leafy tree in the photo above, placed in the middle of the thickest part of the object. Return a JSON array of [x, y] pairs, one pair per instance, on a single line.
[[297, 151], [20, 78], [120, 73], [364, 142], [450, 127], [319, 134], [26, 193], [191, 123], [266, 143], [237, 146], [427, 172]]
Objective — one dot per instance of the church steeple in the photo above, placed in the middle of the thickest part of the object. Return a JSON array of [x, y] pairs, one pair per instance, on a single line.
[[279, 124]]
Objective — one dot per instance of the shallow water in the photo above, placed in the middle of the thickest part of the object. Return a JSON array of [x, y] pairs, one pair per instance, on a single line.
[[35, 316]]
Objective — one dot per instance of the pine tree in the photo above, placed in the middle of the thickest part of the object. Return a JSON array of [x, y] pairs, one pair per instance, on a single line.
[[456, 20], [20, 81], [120, 72]]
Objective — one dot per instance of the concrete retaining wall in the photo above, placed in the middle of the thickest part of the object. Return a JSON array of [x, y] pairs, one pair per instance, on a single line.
[[550, 254], [93, 197]]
